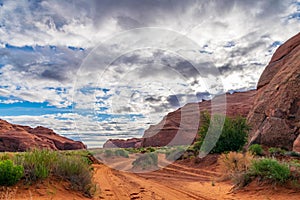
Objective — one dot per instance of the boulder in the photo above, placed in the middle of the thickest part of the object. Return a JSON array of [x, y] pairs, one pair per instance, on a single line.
[[275, 116]]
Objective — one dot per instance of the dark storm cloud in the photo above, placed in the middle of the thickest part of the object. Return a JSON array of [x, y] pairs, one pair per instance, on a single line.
[[54, 75], [152, 99], [128, 23], [135, 13], [173, 100], [54, 63], [203, 96]]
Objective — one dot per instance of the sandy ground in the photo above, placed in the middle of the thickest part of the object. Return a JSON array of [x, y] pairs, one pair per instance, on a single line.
[[179, 180]]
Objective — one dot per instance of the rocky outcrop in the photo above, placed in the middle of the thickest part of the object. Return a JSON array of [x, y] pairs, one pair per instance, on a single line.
[[119, 143], [21, 138], [172, 131], [275, 116], [181, 126]]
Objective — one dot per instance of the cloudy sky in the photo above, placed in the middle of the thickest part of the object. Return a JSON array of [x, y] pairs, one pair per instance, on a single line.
[[93, 70]]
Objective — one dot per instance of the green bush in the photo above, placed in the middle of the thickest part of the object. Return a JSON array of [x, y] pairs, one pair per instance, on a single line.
[[233, 136], [256, 149], [10, 174], [175, 154], [108, 153], [276, 151], [122, 153], [270, 169], [146, 161], [150, 149]]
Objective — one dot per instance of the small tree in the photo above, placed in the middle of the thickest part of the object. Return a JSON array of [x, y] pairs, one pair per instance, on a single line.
[[233, 135]]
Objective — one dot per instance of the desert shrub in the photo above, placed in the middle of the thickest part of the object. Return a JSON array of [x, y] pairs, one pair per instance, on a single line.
[[293, 153], [150, 149], [233, 135], [76, 170], [6, 156], [295, 169], [131, 150], [234, 162], [256, 149], [162, 150], [37, 163], [72, 166], [175, 154], [276, 151], [108, 153], [271, 170], [146, 161], [10, 173], [122, 153]]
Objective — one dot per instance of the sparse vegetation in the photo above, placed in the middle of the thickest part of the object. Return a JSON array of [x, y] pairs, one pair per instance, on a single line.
[[233, 133], [37, 165], [175, 153], [108, 153], [244, 168], [77, 171], [118, 152], [146, 161], [276, 151], [256, 149], [234, 166], [121, 153], [234, 162]]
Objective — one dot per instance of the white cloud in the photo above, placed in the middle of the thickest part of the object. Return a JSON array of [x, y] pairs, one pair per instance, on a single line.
[[235, 36]]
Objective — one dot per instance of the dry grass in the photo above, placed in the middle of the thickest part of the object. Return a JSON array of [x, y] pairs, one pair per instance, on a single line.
[[234, 163]]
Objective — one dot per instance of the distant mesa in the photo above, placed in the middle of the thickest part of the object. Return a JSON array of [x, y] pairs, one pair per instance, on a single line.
[[21, 138]]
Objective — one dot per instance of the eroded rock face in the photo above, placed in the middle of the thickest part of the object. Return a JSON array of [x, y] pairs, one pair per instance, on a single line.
[[119, 143], [169, 131], [21, 138], [181, 126], [275, 116]]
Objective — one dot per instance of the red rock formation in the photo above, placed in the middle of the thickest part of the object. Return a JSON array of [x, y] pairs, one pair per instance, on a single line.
[[119, 143], [181, 126], [172, 131], [275, 116], [21, 138]]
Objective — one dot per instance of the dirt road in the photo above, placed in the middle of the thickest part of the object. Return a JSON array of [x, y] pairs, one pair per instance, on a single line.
[[177, 181], [172, 182]]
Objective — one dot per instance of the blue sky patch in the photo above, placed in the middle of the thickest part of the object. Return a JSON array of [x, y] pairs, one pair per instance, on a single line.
[[23, 48], [29, 108]]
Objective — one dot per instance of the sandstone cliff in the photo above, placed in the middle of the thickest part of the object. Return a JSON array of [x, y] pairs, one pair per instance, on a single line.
[[171, 125], [275, 116], [21, 138]]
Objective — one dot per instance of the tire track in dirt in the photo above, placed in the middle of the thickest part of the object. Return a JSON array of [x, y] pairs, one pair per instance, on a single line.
[[123, 185]]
